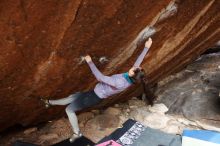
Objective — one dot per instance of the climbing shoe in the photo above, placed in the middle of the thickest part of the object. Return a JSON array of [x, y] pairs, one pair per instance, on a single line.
[[75, 136], [46, 102]]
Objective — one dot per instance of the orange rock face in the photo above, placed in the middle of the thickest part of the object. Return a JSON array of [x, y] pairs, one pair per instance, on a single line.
[[42, 41]]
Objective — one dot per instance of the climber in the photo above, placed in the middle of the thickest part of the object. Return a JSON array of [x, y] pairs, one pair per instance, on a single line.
[[107, 86]]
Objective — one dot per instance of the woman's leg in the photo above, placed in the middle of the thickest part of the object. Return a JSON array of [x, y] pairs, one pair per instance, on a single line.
[[65, 101], [84, 100], [70, 111]]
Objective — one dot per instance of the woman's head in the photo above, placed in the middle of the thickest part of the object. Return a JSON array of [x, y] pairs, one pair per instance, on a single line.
[[138, 76]]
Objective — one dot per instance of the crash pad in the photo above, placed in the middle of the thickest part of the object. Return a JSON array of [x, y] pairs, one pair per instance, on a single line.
[[200, 138], [133, 133]]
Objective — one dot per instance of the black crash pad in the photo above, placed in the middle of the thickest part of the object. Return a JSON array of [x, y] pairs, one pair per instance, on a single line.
[[134, 133], [83, 141]]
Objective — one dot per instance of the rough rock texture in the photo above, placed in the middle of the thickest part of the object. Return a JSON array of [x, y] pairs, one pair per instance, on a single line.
[[191, 95], [195, 91], [96, 126], [41, 43]]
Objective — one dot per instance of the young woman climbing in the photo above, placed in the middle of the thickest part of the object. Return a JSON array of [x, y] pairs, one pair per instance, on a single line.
[[107, 86]]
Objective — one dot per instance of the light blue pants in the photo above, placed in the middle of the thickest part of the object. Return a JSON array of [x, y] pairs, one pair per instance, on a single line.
[[70, 111], [76, 102]]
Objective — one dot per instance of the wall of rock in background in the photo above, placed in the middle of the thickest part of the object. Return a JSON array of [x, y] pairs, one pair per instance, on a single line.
[[41, 43]]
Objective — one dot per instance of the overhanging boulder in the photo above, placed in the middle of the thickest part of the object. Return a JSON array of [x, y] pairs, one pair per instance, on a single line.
[[42, 42]]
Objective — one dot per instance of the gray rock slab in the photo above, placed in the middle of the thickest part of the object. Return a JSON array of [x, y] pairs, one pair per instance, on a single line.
[[194, 92]]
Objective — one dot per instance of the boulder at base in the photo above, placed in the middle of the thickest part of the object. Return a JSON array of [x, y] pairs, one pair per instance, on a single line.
[[42, 43]]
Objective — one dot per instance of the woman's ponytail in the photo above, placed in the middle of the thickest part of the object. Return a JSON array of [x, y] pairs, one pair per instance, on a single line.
[[140, 77], [147, 95]]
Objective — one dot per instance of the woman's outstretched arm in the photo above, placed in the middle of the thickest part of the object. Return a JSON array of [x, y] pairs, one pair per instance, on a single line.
[[144, 52], [99, 76]]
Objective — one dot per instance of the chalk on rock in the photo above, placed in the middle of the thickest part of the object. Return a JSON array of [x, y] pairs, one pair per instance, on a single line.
[[103, 59], [149, 31], [80, 60]]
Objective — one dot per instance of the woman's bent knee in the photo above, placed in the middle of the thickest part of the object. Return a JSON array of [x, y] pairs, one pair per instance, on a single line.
[[69, 109]]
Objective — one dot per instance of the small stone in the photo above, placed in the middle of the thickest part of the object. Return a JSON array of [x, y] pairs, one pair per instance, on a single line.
[[172, 129], [100, 126], [193, 93], [112, 111], [158, 108], [122, 119], [30, 130], [139, 113], [207, 89], [183, 121], [60, 123], [126, 114], [134, 98], [96, 112], [199, 90], [81, 124], [85, 116], [136, 103], [157, 121], [133, 106], [48, 137], [116, 105]]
